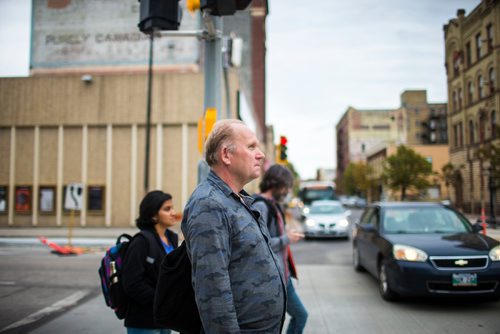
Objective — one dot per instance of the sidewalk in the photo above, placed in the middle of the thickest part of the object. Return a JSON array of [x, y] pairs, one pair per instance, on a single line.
[[100, 235]]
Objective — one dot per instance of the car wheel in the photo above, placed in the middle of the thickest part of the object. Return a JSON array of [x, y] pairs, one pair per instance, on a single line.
[[355, 259], [383, 283]]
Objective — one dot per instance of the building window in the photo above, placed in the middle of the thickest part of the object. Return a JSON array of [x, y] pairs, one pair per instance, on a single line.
[[489, 36], [460, 134], [491, 80], [478, 46], [468, 54], [482, 126], [455, 135], [471, 132], [470, 91], [480, 86], [460, 98], [493, 124], [455, 103]]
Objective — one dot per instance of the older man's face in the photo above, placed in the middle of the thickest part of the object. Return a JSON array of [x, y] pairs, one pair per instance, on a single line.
[[246, 158]]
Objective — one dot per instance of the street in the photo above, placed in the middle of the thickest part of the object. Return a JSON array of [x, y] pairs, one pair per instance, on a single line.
[[44, 293]]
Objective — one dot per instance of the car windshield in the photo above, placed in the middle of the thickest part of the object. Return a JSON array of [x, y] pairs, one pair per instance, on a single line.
[[326, 209], [424, 220]]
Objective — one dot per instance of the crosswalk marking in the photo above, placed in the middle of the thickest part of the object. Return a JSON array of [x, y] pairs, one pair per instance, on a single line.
[[57, 306]]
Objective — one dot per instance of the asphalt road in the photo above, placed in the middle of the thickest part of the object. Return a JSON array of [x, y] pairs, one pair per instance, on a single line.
[[44, 293]]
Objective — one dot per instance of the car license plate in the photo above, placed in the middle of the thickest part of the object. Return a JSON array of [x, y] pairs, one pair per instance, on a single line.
[[464, 279]]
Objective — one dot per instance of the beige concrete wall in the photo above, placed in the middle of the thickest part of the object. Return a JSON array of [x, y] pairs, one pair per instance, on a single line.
[[111, 110]]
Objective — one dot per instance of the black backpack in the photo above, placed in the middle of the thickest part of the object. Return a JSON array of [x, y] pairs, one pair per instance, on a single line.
[[110, 272], [174, 303]]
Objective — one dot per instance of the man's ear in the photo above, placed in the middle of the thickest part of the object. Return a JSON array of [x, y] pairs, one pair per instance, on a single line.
[[225, 155]]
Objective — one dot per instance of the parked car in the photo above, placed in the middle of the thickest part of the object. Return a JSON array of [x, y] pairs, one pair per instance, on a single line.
[[360, 202], [326, 218], [425, 249]]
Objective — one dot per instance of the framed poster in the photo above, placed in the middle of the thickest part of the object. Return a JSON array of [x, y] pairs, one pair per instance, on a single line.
[[47, 199], [23, 199], [4, 195], [95, 200]]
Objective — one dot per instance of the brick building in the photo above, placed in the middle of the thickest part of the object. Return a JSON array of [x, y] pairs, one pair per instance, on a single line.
[[472, 60]]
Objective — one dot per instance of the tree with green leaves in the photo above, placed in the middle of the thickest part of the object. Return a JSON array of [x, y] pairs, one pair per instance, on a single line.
[[355, 180], [407, 170]]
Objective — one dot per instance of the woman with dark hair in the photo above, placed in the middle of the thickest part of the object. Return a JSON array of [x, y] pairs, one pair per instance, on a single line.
[[141, 264]]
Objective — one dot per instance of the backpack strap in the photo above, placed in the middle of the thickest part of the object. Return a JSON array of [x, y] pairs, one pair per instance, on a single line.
[[271, 210]]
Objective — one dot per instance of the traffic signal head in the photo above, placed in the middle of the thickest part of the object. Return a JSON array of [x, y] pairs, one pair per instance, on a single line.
[[283, 148], [224, 7], [159, 15]]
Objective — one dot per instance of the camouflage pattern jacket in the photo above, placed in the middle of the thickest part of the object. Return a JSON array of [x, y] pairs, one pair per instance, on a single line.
[[238, 281]]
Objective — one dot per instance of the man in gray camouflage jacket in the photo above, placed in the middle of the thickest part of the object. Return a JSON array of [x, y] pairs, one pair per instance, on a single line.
[[237, 279]]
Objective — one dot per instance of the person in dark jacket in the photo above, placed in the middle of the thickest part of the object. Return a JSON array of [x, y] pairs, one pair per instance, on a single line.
[[274, 187], [142, 261]]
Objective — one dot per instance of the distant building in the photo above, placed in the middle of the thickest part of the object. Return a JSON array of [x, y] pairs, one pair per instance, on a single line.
[[81, 115], [437, 155], [472, 61], [415, 122], [325, 174]]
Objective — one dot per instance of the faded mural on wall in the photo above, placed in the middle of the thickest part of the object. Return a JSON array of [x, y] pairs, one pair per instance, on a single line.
[[100, 33]]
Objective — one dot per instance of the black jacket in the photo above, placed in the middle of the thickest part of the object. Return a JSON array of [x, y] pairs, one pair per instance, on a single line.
[[141, 266]]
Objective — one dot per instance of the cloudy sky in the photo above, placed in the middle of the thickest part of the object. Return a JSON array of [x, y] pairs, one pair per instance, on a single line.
[[323, 56]]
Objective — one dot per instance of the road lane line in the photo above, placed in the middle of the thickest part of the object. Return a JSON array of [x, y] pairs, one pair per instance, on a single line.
[[57, 306]]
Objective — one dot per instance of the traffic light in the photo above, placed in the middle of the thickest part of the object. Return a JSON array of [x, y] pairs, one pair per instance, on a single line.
[[159, 15], [283, 148], [224, 7]]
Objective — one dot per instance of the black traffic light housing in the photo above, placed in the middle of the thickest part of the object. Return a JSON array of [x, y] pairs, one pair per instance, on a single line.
[[283, 148], [224, 7], [159, 15]]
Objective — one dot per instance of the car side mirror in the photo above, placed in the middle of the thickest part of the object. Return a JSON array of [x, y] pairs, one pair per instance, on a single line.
[[368, 227], [348, 212], [477, 227]]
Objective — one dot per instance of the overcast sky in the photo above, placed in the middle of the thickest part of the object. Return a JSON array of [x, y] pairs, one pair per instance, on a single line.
[[323, 56]]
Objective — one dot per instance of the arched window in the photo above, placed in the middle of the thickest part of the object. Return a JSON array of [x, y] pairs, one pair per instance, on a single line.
[[492, 79], [471, 132], [470, 92], [480, 86]]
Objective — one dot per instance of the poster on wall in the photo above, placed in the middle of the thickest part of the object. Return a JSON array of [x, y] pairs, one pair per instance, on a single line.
[[47, 199], [23, 199], [96, 198], [3, 199]]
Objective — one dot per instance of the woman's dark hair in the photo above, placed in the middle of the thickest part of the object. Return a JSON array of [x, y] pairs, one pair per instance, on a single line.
[[149, 207], [277, 176]]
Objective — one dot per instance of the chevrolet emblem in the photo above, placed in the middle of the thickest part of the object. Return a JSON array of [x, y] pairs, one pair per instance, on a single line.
[[461, 262]]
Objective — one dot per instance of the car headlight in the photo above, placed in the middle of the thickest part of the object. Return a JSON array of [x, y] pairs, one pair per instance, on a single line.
[[343, 223], [310, 222], [495, 254], [408, 253]]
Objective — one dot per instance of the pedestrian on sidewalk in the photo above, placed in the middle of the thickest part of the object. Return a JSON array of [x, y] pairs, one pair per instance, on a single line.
[[275, 185], [237, 279], [142, 261]]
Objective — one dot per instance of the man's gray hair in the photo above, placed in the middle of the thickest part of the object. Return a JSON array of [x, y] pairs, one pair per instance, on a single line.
[[222, 134]]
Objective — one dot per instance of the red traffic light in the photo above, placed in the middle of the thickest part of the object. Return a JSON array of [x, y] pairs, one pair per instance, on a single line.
[[283, 140]]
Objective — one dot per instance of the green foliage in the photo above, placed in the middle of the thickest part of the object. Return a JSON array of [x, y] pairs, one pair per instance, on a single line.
[[407, 170], [490, 153], [356, 180]]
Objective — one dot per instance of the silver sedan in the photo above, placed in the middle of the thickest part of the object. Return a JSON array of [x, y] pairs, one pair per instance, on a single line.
[[326, 219]]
